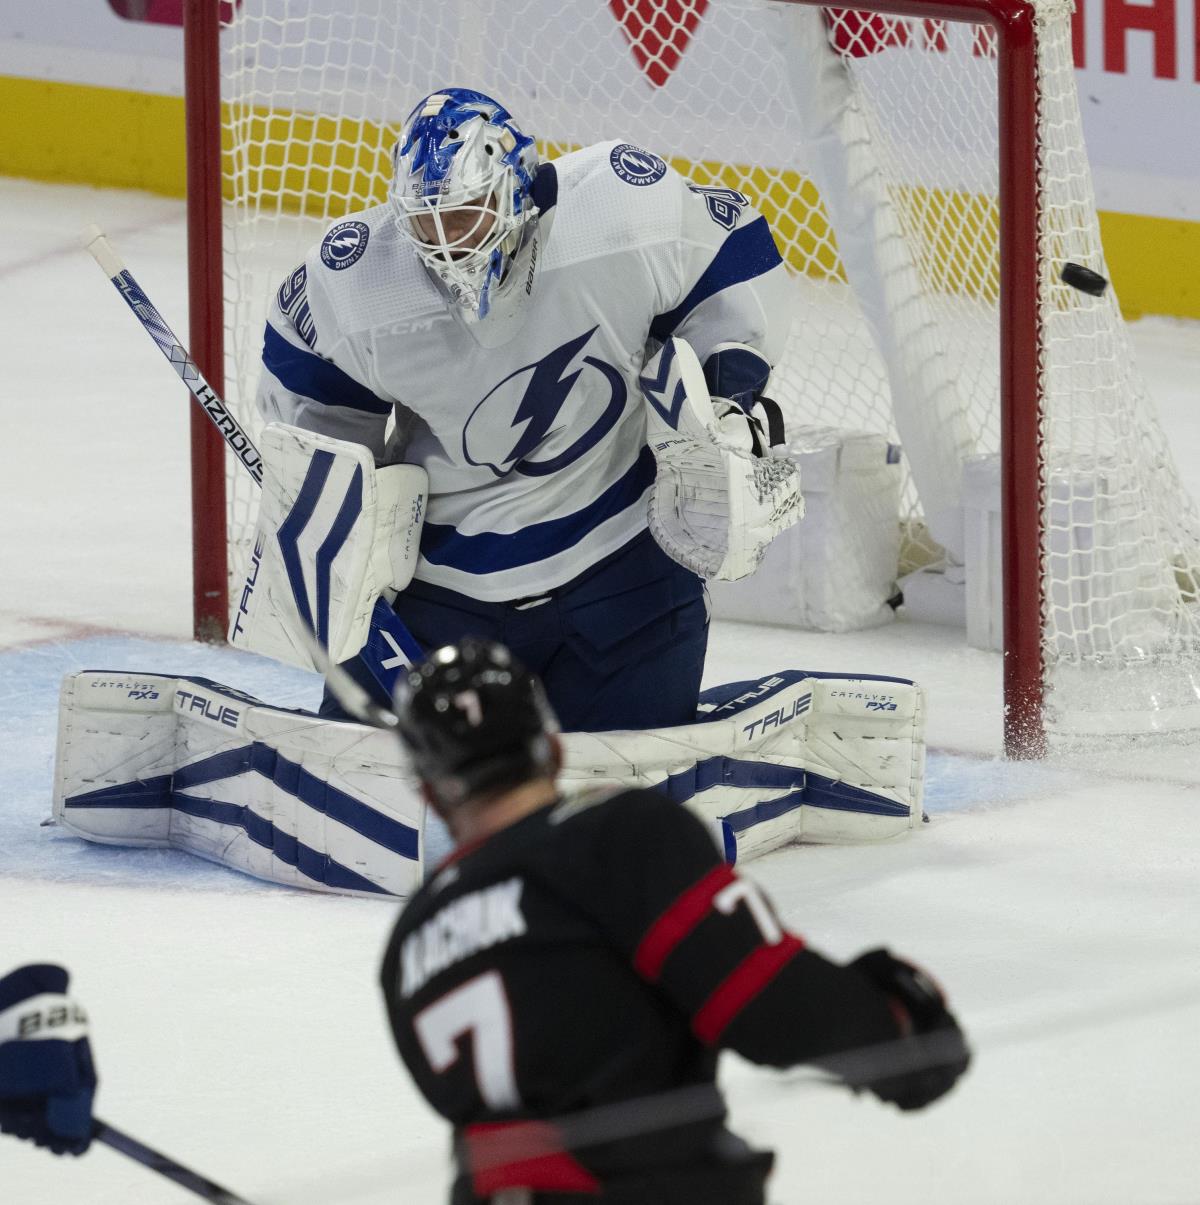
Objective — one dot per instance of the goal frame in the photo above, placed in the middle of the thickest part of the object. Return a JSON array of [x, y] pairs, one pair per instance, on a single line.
[[206, 313], [1021, 410]]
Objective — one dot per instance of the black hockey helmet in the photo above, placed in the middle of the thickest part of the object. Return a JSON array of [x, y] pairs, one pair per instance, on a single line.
[[474, 720]]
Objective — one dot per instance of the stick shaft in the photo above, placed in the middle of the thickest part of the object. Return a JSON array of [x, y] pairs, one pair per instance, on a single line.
[[163, 1164], [155, 325]]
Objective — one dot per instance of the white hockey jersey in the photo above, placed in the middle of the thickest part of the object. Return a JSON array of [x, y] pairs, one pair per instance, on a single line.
[[535, 450]]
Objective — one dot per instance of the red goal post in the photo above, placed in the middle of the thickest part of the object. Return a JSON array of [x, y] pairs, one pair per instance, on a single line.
[[1097, 551], [206, 314], [1022, 475]]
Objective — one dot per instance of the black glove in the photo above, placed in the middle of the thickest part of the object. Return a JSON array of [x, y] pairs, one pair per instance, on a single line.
[[47, 1079], [931, 1052]]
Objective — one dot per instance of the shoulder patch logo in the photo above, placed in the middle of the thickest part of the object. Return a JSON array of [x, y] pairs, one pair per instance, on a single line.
[[344, 245], [636, 166], [725, 205]]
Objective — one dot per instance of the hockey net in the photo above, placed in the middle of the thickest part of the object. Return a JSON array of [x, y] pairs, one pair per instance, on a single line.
[[871, 142]]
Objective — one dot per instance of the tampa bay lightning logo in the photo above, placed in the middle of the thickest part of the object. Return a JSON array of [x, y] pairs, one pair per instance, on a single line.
[[527, 413], [636, 166], [344, 245]]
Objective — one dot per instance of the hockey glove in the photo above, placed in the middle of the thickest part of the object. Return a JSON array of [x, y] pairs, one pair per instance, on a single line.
[[47, 1079], [720, 494], [932, 1052]]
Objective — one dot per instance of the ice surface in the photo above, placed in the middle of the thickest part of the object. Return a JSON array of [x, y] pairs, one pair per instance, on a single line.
[[238, 1025]]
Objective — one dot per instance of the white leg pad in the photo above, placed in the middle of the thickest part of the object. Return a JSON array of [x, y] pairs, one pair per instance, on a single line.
[[793, 757], [145, 759]]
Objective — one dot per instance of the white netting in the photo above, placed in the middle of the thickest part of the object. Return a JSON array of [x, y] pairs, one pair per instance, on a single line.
[[1122, 541], [891, 141]]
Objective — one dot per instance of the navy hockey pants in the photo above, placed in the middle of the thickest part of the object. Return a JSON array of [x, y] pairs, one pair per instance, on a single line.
[[620, 646]]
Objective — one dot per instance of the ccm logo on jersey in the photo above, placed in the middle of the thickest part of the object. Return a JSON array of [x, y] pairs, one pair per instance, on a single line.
[[463, 927], [636, 166]]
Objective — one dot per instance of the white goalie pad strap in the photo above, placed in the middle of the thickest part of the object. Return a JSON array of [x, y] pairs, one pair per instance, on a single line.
[[145, 759], [333, 533], [714, 506], [796, 756]]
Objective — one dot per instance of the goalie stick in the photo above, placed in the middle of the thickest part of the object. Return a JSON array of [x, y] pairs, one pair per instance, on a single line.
[[390, 646], [156, 1161]]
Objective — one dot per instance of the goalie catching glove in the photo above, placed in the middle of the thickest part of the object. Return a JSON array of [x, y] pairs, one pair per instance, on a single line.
[[721, 492]]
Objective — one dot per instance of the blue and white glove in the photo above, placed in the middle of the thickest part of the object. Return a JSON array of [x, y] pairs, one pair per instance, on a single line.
[[47, 1079], [721, 492]]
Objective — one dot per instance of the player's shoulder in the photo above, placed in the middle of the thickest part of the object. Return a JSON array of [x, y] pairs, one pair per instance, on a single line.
[[623, 168], [586, 839], [591, 807], [611, 825], [613, 197], [366, 274]]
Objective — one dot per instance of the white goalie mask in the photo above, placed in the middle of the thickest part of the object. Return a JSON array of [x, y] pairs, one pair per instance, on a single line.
[[463, 193]]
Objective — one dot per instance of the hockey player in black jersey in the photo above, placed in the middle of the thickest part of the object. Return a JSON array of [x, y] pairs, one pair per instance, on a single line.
[[579, 953]]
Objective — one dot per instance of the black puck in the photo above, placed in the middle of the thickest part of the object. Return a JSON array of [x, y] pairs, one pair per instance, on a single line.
[[1084, 279]]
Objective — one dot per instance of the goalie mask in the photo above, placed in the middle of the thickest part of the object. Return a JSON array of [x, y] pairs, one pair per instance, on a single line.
[[474, 721], [463, 194]]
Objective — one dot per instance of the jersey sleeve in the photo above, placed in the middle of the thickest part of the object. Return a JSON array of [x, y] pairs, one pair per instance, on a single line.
[[310, 377], [711, 942], [727, 284]]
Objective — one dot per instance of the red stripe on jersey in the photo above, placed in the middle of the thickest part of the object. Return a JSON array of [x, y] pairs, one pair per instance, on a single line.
[[742, 984], [523, 1154], [688, 910]]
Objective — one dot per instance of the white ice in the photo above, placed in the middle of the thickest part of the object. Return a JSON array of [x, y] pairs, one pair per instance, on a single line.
[[238, 1026]]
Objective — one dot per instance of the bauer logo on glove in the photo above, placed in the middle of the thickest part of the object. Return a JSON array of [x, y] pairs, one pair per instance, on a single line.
[[47, 1078]]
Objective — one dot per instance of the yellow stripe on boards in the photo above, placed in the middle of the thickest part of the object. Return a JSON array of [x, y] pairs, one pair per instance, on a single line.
[[1154, 262], [75, 134], [316, 165]]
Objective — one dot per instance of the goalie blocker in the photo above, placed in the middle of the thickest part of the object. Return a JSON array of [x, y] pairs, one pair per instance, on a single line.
[[334, 534]]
